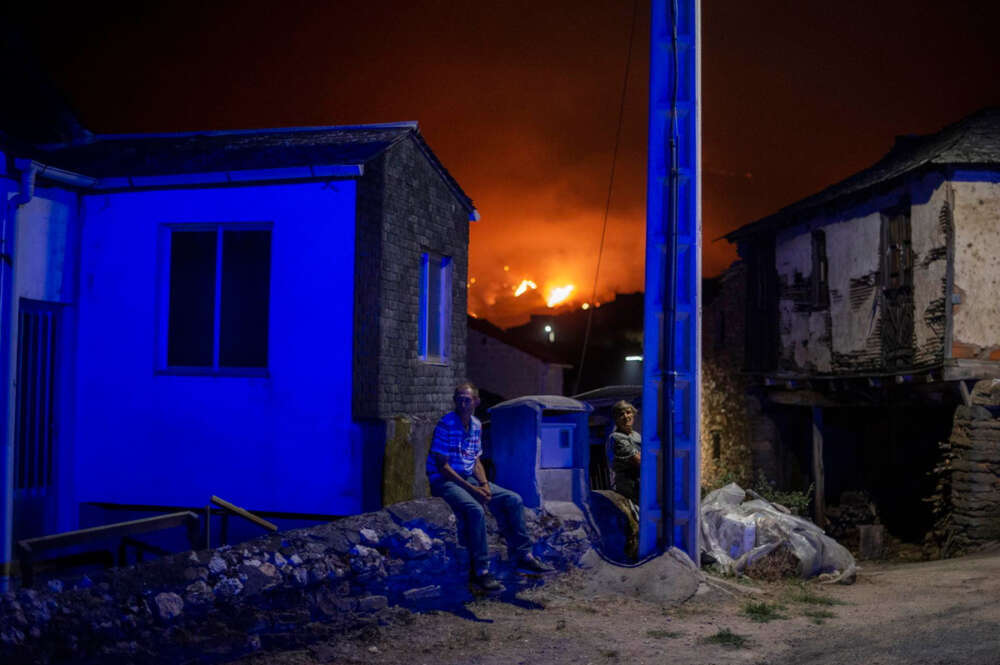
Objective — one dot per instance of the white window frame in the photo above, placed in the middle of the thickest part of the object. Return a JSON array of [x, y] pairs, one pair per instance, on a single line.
[[437, 350], [166, 232]]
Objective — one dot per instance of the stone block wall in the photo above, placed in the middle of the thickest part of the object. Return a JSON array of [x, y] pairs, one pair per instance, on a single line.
[[405, 208]]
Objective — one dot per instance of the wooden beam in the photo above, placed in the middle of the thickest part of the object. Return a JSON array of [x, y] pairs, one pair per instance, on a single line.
[[972, 369], [818, 470], [233, 508], [107, 531]]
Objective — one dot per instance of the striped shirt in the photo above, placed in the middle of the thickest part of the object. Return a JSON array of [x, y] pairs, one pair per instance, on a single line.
[[459, 447]]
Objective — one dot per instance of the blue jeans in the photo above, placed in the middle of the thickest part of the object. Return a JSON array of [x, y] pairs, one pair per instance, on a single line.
[[505, 505]]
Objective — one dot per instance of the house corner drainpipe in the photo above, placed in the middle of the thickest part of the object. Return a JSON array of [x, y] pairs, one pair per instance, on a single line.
[[8, 239]]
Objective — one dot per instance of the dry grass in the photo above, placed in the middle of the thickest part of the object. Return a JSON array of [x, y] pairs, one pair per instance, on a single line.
[[762, 612], [726, 638], [818, 616], [663, 634]]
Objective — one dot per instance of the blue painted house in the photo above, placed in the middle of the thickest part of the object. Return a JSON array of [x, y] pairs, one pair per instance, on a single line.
[[239, 313]]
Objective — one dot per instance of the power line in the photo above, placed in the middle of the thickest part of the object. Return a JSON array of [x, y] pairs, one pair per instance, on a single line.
[[607, 205]]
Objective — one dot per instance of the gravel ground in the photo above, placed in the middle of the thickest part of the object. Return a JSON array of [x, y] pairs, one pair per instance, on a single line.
[[897, 613]]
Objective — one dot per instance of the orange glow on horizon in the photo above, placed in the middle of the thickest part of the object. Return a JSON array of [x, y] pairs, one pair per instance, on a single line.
[[559, 294]]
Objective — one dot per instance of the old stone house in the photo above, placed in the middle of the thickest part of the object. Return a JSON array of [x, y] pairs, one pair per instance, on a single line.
[[870, 310], [249, 314]]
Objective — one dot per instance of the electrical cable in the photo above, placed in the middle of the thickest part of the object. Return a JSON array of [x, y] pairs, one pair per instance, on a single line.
[[666, 406], [607, 205]]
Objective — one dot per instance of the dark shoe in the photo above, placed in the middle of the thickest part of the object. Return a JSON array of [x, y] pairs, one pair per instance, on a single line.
[[485, 582], [529, 564]]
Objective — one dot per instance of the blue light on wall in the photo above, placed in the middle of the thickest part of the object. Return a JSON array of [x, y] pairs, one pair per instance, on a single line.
[[277, 438], [669, 483]]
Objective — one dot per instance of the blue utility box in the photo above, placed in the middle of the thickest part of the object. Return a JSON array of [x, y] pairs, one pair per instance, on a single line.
[[539, 445]]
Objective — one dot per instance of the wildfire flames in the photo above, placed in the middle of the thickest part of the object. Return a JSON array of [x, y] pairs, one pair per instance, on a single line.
[[524, 286], [559, 294]]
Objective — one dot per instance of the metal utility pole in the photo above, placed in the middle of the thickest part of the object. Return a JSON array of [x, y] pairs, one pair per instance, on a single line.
[[670, 471]]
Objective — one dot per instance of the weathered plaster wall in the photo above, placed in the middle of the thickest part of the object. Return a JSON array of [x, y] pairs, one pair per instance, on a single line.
[[846, 336], [931, 227], [804, 334], [852, 251], [976, 319]]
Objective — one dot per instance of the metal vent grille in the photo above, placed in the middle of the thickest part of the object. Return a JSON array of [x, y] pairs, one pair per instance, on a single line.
[[34, 424]]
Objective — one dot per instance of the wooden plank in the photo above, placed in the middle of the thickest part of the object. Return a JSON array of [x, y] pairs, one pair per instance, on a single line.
[[243, 513], [818, 470], [155, 523], [968, 368], [871, 541]]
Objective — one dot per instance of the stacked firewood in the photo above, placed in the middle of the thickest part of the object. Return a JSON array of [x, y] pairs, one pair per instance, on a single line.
[[856, 508], [966, 501]]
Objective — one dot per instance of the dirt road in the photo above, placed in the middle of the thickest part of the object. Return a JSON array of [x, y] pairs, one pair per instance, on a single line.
[[901, 613]]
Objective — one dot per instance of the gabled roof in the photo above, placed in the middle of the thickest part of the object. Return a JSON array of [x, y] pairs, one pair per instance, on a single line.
[[972, 142], [142, 155]]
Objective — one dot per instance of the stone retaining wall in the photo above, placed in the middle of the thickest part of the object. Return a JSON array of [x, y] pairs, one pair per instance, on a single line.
[[279, 591]]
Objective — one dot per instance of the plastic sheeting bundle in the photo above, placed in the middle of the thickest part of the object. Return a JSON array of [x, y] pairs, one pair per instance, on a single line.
[[735, 533]]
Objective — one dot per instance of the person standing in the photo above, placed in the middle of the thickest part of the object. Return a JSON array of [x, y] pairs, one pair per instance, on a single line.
[[456, 474], [625, 447]]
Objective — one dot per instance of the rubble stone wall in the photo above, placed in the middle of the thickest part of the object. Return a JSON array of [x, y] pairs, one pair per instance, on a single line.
[[281, 591], [726, 454]]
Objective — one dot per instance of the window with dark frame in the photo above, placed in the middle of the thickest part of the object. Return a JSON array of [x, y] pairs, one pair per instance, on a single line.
[[820, 274], [435, 307], [898, 262], [219, 297]]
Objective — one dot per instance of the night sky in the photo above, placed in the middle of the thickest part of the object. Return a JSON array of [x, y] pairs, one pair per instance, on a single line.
[[520, 102]]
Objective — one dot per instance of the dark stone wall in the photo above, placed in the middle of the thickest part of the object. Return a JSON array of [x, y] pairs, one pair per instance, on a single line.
[[405, 208]]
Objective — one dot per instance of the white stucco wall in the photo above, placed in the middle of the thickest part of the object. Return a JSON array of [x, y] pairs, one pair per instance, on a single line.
[[976, 319], [508, 371], [283, 442]]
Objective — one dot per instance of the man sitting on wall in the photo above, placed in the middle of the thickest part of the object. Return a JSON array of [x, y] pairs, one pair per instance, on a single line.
[[456, 475]]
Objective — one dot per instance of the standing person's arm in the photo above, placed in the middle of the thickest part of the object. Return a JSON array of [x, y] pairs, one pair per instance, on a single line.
[[626, 450]]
